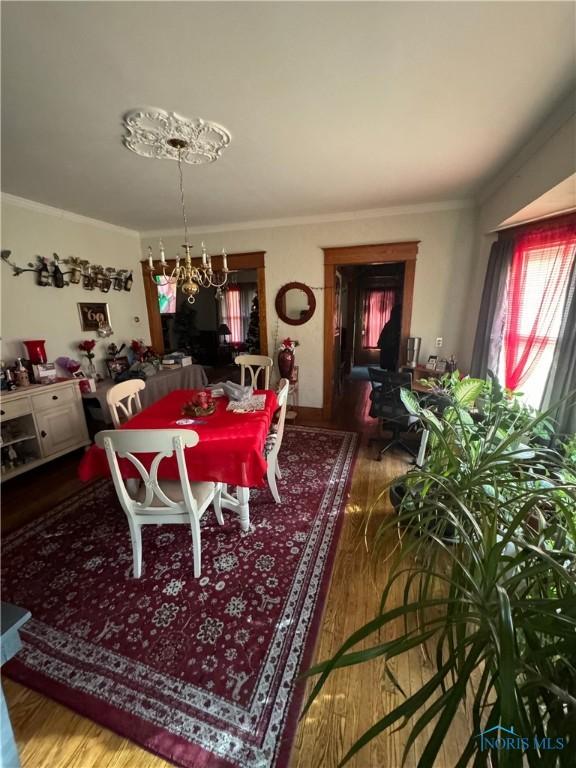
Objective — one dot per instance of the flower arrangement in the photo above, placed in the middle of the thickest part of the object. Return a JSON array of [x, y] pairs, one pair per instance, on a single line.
[[87, 347], [141, 351], [290, 344]]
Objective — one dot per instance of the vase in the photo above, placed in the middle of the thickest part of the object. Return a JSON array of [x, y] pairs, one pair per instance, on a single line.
[[90, 369], [285, 363], [36, 351]]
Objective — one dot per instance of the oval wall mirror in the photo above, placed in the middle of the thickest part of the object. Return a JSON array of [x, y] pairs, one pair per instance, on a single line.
[[295, 303]]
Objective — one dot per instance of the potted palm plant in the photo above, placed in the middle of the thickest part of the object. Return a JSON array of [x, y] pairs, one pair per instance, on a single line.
[[492, 604]]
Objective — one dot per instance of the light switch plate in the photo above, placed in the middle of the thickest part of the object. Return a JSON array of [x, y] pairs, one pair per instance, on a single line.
[[439, 341]]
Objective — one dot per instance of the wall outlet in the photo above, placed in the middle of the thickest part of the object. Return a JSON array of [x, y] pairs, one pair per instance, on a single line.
[[439, 341]]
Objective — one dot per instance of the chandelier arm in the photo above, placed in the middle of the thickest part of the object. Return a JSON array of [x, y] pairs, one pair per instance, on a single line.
[[214, 282]]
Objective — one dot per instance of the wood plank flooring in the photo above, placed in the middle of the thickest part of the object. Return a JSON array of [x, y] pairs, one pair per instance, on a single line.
[[51, 736]]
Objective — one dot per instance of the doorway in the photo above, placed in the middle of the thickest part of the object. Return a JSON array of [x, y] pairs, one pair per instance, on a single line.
[[167, 332], [373, 290], [387, 266]]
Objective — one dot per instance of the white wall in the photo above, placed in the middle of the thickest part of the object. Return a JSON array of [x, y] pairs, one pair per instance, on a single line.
[[32, 312], [543, 162], [295, 253]]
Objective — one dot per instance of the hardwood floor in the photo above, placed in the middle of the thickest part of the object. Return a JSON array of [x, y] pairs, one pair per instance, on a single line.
[[51, 736]]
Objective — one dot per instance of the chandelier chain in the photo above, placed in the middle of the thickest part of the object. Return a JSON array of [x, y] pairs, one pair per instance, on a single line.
[[182, 197]]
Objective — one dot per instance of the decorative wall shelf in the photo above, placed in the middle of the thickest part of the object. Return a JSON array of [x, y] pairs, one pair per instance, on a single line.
[[78, 271]]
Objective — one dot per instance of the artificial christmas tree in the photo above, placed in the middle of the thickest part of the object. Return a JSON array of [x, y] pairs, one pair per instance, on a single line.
[[253, 337]]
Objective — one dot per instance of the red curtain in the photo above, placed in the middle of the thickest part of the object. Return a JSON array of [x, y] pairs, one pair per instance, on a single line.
[[538, 282], [233, 313], [378, 305]]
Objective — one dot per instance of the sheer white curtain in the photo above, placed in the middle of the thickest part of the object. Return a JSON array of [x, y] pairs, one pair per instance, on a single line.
[[247, 293], [235, 308]]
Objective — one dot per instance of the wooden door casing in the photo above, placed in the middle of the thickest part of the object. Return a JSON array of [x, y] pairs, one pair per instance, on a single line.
[[253, 260], [364, 254]]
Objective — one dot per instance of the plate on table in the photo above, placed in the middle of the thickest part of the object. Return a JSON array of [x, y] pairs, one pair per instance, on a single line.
[[189, 422]]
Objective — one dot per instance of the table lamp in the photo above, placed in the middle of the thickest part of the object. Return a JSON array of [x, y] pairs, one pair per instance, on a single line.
[[224, 331]]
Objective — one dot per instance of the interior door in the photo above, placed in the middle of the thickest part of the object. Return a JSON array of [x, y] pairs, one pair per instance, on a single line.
[[337, 334]]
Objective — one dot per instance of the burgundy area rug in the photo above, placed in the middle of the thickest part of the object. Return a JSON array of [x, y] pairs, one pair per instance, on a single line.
[[201, 672]]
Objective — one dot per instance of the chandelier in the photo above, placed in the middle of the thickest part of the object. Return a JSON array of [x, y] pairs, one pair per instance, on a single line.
[[167, 135]]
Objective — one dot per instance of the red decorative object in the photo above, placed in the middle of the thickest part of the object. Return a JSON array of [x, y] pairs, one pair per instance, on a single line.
[[537, 286], [286, 357], [231, 447], [203, 672], [285, 362], [36, 351]]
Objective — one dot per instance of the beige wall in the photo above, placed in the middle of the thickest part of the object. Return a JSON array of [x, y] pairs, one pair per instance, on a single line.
[[295, 253], [32, 312], [546, 160]]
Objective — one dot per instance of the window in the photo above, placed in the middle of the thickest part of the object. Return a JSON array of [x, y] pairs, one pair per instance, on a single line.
[[166, 295], [378, 304], [535, 294]]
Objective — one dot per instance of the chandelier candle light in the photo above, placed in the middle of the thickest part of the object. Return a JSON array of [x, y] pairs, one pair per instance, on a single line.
[[167, 135]]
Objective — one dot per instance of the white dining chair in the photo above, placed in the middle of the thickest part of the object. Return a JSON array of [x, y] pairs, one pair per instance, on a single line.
[[274, 440], [124, 397], [254, 364], [159, 501]]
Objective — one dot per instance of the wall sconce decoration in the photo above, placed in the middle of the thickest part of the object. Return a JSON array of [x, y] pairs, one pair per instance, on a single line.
[[80, 271]]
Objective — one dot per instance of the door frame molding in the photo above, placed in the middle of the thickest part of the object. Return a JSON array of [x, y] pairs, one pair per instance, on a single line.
[[352, 255], [251, 260]]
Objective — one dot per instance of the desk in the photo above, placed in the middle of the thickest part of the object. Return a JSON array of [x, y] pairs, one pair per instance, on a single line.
[[188, 377], [230, 451]]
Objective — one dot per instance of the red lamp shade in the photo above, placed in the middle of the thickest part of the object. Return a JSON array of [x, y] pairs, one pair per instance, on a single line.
[[36, 351]]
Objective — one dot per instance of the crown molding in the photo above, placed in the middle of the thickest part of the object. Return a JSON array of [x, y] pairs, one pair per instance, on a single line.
[[373, 213], [60, 213]]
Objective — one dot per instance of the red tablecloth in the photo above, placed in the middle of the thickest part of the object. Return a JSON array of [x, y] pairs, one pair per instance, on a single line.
[[230, 449]]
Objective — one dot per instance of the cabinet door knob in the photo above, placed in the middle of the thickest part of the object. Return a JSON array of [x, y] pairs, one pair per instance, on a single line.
[[43, 433], [54, 397]]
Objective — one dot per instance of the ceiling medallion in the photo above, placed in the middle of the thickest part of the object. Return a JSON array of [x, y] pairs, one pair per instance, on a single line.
[[169, 136]]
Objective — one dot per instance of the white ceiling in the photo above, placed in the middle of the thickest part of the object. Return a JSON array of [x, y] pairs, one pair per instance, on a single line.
[[332, 106]]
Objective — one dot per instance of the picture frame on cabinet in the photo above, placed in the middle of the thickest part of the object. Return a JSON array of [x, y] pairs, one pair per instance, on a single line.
[[93, 315]]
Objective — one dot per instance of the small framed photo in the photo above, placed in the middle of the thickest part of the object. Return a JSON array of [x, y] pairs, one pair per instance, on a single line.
[[432, 361], [79, 375], [44, 373], [93, 315], [116, 366], [441, 366]]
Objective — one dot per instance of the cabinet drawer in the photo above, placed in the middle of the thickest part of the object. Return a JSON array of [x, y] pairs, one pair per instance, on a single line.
[[55, 398], [11, 409]]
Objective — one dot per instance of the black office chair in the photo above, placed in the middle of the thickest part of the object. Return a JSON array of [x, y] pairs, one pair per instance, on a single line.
[[387, 406]]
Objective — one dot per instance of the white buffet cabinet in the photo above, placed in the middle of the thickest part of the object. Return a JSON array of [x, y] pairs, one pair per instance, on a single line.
[[40, 423]]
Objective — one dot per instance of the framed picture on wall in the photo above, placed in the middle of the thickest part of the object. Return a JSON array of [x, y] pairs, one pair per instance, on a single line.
[[93, 315]]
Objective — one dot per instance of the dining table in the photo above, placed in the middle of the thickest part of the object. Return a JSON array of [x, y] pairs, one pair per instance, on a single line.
[[230, 448]]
